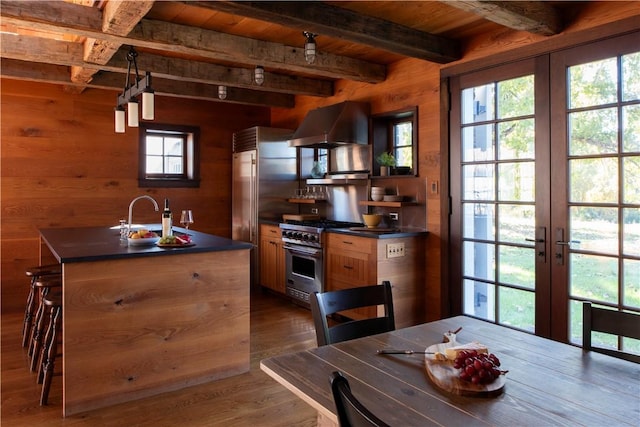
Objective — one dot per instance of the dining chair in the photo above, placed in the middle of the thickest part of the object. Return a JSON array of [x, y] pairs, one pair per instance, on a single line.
[[351, 413], [326, 304], [613, 322]]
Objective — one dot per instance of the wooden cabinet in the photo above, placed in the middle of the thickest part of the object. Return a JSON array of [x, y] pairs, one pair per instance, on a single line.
[[359, 261], [272, 262]]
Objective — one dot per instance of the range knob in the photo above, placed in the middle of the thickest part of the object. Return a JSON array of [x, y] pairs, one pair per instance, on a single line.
[[313, 238]]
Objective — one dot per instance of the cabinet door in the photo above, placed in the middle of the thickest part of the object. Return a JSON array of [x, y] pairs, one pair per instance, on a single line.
[[272, 268]]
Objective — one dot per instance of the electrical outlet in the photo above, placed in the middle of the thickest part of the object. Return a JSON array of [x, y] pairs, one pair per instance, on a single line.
[[395, 250], [393, 216]]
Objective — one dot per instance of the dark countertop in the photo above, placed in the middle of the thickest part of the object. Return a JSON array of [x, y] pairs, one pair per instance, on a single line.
[[80, 244], [391, 234]]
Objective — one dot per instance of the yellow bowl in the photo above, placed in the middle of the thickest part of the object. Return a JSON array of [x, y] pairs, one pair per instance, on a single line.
[[371, 220]]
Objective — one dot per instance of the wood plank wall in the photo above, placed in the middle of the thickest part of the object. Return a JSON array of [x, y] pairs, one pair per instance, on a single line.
[[63, 166], [413, 83]]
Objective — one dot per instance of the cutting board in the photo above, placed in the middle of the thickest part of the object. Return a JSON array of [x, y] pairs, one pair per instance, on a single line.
[[303, 217], [445, 376]]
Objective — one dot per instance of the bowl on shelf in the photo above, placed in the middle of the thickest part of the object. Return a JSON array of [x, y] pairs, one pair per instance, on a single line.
[[377, 193], [371, 220]]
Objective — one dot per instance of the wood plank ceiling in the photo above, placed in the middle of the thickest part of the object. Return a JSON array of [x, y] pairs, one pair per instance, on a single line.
[[192, 47]]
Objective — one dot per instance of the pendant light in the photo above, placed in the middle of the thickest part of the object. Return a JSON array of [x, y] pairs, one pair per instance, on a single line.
[[129, 96], [310, 47]]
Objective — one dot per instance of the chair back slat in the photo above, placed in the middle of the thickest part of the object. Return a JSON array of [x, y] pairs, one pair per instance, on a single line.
[[595, 319], [351, 412], [327, 304]]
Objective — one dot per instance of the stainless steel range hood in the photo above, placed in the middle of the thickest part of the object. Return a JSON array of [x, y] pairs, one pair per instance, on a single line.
[[334, 125]]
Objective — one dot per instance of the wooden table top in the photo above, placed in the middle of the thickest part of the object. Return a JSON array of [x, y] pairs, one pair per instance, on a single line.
[[548, 383]]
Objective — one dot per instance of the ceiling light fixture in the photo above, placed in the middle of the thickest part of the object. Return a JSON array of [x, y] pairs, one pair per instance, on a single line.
[[141, 85], [310, 47], [258, 75], [222, 92]]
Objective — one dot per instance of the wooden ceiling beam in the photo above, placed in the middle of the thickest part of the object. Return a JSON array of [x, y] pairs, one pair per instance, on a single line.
[[59, 74], [535, 17], [332, 21], [182, 39], [70, 54], [117, 18]]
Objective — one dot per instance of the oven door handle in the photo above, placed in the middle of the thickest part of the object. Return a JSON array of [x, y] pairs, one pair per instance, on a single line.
[[303, 250]]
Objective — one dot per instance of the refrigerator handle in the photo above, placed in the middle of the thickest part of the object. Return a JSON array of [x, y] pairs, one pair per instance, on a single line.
[[253, 218]]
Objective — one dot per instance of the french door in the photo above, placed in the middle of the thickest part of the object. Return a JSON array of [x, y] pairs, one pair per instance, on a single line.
[[545, 188]]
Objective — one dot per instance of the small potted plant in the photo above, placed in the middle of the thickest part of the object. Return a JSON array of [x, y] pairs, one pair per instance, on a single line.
[[386, 161]]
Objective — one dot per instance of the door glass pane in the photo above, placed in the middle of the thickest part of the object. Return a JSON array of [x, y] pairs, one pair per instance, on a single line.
[[516, 182], [479, 299], [515, 97], [478, 221], [593, 180], [593, 277], [477, 104], [477, 143], [631, 128], [517, 308], [593, 132], [631, 179], [517, 223], [517, 266], [631, 232], [594, 83], [516, 139], [478, 182], [594, 229], [479, 260], [631, 76], [631, 289], [575, 322]]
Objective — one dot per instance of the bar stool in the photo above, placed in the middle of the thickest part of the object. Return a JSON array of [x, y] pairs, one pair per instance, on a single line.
[[35, 273], [43, 285], [47, 358]]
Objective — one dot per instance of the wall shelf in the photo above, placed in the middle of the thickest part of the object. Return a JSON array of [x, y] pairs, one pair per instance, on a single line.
[[306, 201], [387, 204]]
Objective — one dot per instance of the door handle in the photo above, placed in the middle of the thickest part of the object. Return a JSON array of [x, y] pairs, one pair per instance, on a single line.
[[540, 241]]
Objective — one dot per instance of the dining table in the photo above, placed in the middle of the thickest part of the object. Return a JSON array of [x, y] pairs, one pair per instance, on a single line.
[[547, 383]]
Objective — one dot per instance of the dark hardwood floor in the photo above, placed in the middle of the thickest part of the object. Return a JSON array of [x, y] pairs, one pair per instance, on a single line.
[[250, 399]]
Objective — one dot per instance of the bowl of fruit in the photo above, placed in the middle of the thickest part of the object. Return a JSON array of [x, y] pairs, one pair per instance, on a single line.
[[142, 237]]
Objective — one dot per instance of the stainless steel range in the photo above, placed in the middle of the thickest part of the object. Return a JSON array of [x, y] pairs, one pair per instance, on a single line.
[[304, 256]]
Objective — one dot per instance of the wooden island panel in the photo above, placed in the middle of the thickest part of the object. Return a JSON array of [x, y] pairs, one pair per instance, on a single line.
[[138, 327]]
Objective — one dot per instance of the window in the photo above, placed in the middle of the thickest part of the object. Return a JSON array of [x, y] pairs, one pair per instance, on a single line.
[[169, 156], [396, 133]]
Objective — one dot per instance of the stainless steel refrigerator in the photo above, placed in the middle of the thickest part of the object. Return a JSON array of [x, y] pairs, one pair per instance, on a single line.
[[265, 175]]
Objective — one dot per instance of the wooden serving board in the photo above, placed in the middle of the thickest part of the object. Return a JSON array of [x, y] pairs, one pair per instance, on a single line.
[[302, 217], [445, 376], [375, 229]]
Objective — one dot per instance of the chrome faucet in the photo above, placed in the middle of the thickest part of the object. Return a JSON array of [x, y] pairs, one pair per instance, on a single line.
[[155, 205]]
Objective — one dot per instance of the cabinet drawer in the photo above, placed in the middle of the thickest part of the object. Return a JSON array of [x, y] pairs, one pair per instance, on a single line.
[[344, 242], [270, 231]]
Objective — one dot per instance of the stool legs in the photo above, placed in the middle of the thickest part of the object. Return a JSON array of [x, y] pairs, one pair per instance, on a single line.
[[28, 314], [49, 352], [35, 347]]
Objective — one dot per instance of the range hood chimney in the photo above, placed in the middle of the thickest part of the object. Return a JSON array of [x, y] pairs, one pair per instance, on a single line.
[[334, 125]]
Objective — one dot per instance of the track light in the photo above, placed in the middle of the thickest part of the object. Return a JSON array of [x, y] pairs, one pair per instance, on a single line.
[[128, 97], [222, 92], [258, 75], [310, 47]]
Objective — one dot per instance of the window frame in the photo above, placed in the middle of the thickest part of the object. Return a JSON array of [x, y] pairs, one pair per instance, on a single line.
[[191, 157], [383, 137]]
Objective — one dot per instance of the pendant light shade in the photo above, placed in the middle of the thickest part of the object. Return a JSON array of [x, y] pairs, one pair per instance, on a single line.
[[119, 112], [258, 75], [148, 106], [132, 110], [222, 92], [309, 47]]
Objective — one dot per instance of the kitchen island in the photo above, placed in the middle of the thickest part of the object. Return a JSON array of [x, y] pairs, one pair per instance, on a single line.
[[143, 320]]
